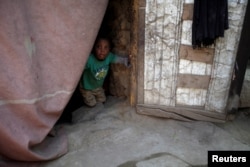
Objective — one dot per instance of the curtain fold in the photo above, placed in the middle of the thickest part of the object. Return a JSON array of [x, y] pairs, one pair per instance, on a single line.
[[44, 45]]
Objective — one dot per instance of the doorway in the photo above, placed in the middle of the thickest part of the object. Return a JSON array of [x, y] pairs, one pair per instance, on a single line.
[[120, 23]]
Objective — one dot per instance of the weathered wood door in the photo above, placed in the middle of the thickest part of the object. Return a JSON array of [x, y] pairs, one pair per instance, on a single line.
[[173, 77]]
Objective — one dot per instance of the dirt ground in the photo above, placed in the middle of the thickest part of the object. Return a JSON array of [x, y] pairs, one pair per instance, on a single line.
[[114, 135]]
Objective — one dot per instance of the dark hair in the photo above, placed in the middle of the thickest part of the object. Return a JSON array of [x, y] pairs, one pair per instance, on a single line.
[[99, 37]]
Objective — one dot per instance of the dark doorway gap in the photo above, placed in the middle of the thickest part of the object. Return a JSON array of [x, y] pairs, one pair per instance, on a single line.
[[242, 59], [107, 29]]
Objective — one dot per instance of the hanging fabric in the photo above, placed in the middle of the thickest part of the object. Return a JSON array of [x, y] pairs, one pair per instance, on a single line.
[[43, 50], [210, 20]]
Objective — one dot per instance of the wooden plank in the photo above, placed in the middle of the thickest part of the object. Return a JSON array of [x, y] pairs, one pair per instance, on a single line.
[[187, 12], [195, 110], [205, 55], [160, 113], [140, 57], [193, 81], [134, 51], [186, 109], [142, 3], [187, 113]]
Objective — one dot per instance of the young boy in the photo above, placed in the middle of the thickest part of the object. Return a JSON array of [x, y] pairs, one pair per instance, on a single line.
[[96, 70]]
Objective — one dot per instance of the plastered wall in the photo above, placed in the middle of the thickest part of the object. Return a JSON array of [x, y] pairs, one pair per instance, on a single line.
[[174, 73]]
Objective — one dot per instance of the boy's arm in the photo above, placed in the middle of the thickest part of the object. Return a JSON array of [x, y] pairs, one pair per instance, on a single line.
[[123, 60]]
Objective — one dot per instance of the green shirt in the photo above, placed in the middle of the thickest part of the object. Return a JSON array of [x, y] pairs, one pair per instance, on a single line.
[[95, 71]]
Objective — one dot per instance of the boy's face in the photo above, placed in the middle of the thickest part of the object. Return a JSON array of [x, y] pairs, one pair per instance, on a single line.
[[102, 49]]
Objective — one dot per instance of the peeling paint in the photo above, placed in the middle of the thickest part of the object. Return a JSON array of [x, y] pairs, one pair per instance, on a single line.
[[165, 32]]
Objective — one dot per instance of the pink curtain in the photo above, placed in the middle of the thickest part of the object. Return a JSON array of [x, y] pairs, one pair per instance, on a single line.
[[44, 45]]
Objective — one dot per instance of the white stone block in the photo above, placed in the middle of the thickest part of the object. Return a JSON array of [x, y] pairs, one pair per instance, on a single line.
[[149, 75], [167, 68], [198, 68], [190, 96], [231, 38], [217, 102], [171, 9], [182, 96], [151, 97], [189, 1], [186, 36], [217, 97], [226, 57], [166, 97], [147, 97], [194, 67], [185, 66], [208, 69], [168, 26], [222, 71]]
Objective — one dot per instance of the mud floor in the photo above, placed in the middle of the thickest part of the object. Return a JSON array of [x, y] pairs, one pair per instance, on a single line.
[[114, 135]]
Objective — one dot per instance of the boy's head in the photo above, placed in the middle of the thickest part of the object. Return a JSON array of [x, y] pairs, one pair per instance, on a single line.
[[102, 48]]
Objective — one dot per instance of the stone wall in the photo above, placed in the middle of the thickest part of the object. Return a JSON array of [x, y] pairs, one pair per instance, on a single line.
[[177, 75], [173, 73]]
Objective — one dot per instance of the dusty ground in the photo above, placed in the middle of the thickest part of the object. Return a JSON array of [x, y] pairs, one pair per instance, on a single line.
[[113, 135]]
